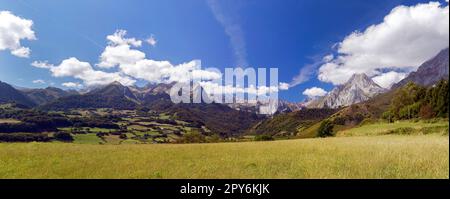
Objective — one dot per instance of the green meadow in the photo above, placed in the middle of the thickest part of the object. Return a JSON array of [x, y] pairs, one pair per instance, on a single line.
[[418, 127]]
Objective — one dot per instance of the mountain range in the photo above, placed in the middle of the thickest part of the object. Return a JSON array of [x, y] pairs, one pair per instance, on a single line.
[[226, 119], [358, 88]]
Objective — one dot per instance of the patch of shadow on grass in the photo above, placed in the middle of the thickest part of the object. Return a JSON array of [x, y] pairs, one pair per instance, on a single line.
[[403, 131], [443, 130], [250, 166]]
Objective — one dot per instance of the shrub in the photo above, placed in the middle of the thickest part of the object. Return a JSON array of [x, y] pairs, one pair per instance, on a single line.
[[192, 137], [340, 120], [326, 129], [389, 116], [214, 138], [358, 117], [101, 134], [435, 129], [63, 136], [24, 137], [403, 131], [263, 138]]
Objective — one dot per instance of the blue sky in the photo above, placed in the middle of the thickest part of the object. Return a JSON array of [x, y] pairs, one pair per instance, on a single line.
[[288, 34]]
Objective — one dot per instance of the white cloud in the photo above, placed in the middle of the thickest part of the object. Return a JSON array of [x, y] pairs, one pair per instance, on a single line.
[[386, 80], [164, 72], [151, 40], [314, 92], [284, 86], [12, 30], [93, 77], [72, 85], [116, 55], [215, 88], [119, 50], [118, 38], [72, 67], [406, 38], [21, 52], [328, 58], [38, 81], [134, 63], [41, 64], [131, 64]]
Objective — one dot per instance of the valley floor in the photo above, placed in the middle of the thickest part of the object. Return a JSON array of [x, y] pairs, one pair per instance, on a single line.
[[385, 156]]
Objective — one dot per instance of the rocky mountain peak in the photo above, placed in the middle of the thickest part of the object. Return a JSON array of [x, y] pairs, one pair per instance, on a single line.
[[357, 89], [430, 72], [359, 78], [116, 83]]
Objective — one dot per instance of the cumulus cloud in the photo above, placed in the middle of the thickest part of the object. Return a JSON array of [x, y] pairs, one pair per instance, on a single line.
[[72, 67], [314, 92], [406, 38], [38, 81], [13, 29], [161, 71], [119, 50], [118, 38], [134, 63], [328, 58], [131, 64], [72, 85], [386, 80]]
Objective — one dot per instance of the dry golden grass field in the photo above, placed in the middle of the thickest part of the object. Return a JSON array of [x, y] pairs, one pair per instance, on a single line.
[[386, 156]]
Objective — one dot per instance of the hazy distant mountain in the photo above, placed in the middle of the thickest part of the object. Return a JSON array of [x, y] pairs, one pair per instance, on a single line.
[[8, 94], [254, 107], [43, 96], [358, 88], [429, 72]]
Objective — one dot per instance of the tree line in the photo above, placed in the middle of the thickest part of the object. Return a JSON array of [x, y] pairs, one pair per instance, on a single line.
[[414, 101]]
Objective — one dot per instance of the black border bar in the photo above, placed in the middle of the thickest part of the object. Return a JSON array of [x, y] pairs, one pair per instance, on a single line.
[[277, 188]]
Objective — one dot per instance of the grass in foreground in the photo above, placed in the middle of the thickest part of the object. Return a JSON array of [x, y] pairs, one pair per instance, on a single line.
[[391, 156]]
